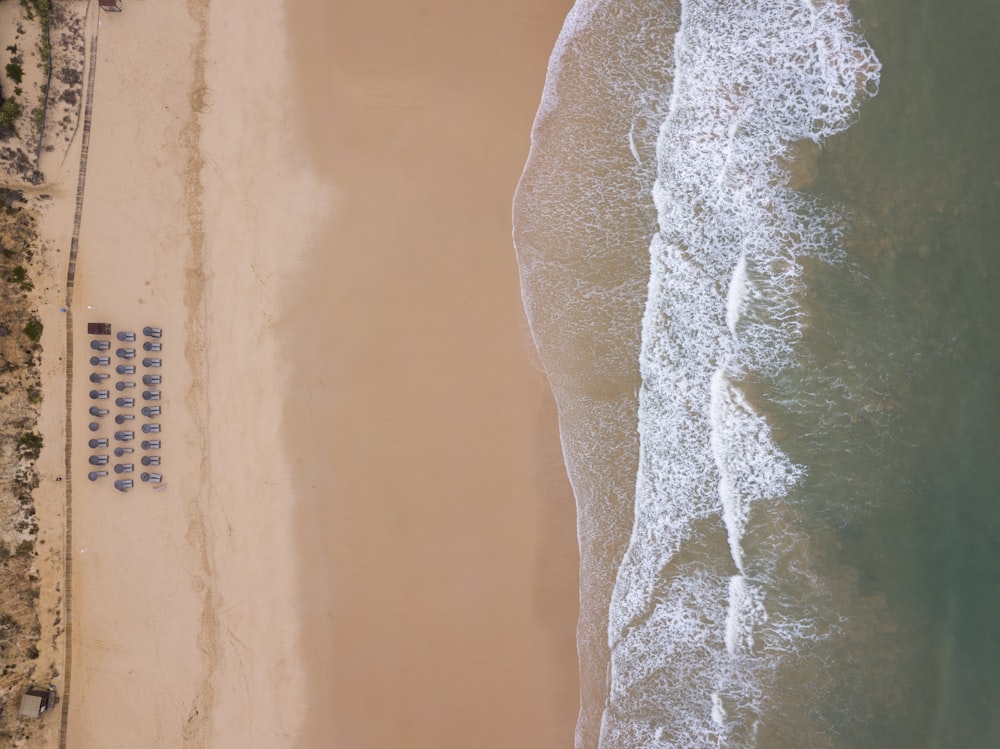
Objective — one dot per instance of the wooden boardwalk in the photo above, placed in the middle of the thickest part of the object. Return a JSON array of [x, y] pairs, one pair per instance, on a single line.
[[68, 480]]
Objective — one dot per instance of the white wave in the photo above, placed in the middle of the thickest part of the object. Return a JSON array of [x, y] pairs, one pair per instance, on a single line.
[[750, 79]]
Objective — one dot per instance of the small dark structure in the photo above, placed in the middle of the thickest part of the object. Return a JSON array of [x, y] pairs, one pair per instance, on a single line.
[[113, 6], [99, 328], [37, 700]]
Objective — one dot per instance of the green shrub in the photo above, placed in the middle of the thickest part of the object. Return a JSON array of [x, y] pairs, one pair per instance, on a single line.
[[30, 444], [10, 110], [15, 72], [34, 329]]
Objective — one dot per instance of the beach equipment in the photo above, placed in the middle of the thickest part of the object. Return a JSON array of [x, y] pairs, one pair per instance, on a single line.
[[150, 428], [123, 485], [147, 362], [150, 460], [125, 435], [150, 444], [98, 394], [124, 385], [151, 395], [124, 335], [122, 418], [125, 353], [98, 376], [124, 402], [152, 346], [154, 478], [150, 411], [99, 442], [151, 379], [152, 332], [95, 411], [124, 468], [100, 345], [94, 475], [100, 361], [125, 369], [98, 460], [93, 426], [119, 451]]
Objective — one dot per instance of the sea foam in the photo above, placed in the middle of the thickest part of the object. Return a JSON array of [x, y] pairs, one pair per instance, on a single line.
[[691, 638]]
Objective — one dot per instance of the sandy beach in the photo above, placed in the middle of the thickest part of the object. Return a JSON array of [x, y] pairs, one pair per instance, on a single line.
[[364, 536]]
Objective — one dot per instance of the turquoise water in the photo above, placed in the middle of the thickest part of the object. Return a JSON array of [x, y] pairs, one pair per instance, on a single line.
[[759, 249]]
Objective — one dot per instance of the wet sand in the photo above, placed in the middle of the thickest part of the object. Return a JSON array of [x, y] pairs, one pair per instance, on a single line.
[[434, 510]]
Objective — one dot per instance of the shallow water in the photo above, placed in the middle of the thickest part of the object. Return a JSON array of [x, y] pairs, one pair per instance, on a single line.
[[758, 252]]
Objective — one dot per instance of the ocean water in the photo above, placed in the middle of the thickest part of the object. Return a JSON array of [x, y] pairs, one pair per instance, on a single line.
[[759, 245]]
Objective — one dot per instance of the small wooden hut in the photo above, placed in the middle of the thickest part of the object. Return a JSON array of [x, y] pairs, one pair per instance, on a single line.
[[36, 701], [115, 6]]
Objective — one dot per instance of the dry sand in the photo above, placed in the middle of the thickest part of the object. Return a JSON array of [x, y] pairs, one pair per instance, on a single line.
[[366, 538]]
